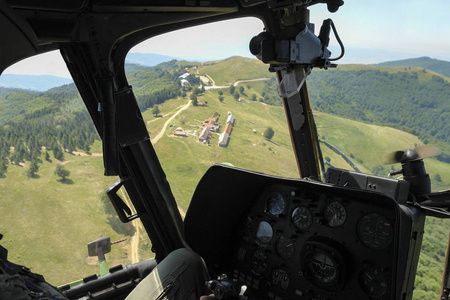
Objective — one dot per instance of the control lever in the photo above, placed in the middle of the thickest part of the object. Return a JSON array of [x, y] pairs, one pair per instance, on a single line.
[[223, 288]]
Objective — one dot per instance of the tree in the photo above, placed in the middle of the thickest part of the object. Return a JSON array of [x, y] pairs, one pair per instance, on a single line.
[[32, 169], [221, 98], [268, 133], [194, 100], [254, 97], [241, 89], [57, 152], [62, 172], [437, 177], [196, 91], [47, 156], [231, 89], [3, 166], [155, 110], [220, 93], [237, 96]]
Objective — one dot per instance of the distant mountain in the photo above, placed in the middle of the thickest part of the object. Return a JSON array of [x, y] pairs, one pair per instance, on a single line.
[[439, 66], [147, 59], [32, 82]]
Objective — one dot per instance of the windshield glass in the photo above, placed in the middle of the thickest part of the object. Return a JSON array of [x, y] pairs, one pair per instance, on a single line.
[[51, 177], [206, 101], [363, 113]]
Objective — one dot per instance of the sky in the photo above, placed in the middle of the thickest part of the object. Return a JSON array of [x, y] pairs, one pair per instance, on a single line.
[[372, 31]]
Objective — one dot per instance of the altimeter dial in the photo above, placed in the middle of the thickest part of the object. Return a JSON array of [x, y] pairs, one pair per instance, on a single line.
[[334, 214]]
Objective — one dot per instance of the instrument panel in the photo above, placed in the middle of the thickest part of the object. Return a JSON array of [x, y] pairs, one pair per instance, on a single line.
[[302, 243], [303, 239]]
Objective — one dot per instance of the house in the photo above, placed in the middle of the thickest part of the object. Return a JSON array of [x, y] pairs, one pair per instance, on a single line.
[[184, 82], [230, 118], [210, 122], [223, 139], [180, 132], [184, 76], [205, 135]]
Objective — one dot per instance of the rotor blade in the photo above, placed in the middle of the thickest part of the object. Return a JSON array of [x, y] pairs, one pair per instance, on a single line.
[[425, 151], [393, 158]]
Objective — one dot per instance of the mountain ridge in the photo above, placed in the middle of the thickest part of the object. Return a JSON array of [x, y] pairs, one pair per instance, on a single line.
[[439, 66]]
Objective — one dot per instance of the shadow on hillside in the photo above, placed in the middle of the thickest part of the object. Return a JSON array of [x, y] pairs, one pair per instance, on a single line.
[[66, 181]]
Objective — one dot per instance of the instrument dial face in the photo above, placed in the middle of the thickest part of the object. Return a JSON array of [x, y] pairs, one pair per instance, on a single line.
[[334, 214], [373, 281], [375, 231], [285, 247], [275, 204], [280, 277], [302, 218], [323, 268], [259, 261], [264, 233]]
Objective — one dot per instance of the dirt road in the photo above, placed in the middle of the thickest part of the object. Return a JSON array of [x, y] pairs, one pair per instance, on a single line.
[[161, 133]]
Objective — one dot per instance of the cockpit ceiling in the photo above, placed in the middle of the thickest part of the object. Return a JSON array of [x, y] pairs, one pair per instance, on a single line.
[[42, 26], [125, 6]]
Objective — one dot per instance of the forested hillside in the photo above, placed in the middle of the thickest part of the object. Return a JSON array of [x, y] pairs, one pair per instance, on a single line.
[[410, 99], [56, 122]]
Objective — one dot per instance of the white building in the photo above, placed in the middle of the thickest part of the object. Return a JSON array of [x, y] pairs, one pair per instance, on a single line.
[[230, 118], [223, 139]]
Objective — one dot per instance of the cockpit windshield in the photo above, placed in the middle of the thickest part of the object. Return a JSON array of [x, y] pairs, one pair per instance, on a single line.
[[206, 99]]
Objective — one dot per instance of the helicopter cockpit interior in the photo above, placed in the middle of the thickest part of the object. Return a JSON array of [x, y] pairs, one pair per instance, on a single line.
[[333, 234]]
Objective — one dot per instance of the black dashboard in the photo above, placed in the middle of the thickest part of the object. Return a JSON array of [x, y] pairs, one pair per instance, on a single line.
[[303, 239]]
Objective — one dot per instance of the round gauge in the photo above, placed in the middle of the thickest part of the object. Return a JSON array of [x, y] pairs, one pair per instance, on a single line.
[[275, 204], [323, 268], [265, 232], [335, 214], [375, 231], [285, 247], [259, 261], [373, 282], [302, 218], [280, 277]]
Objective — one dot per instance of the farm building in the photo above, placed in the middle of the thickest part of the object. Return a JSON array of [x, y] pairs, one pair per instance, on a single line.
[[223, 139], [180, 132], [230, 118], [225, 136], [205, 135], [228, 128], [184, 82], [211, 123]]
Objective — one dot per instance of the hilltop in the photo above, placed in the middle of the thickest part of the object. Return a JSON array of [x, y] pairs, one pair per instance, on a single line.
[[439, 66]]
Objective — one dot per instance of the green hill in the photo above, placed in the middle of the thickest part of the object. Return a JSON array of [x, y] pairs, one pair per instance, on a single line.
[[411, 99], [230, 70], [439, 66]]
